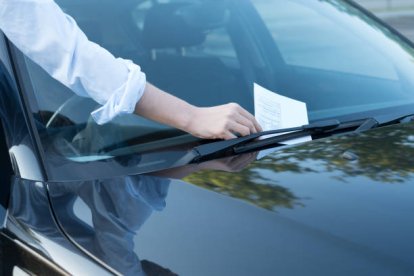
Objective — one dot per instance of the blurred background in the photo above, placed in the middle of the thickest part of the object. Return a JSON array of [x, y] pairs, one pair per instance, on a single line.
[[397, 13]]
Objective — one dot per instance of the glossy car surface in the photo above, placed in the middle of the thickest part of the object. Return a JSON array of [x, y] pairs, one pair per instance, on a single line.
[[130, 198]]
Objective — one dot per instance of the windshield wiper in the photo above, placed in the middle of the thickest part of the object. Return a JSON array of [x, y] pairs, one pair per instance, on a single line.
[[291, 133], [248, 143]]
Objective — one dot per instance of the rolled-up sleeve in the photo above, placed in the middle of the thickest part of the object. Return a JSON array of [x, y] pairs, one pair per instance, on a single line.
[[53, 40]]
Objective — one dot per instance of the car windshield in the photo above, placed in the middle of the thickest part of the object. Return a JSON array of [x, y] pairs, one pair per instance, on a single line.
[[326, 53]]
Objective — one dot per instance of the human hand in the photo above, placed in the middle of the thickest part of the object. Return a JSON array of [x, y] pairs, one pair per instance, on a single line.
[[221, 122], [217, 122]]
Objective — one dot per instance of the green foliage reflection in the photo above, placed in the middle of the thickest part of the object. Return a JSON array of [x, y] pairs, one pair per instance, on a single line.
[[383, 155]]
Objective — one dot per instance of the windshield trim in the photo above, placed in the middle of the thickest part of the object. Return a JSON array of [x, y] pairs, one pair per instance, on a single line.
[[23, 87]]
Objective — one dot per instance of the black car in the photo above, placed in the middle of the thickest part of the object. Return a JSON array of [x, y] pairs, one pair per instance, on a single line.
[[135, 197]]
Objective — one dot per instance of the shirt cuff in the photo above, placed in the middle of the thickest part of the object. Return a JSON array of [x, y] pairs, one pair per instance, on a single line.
[[124, 99]]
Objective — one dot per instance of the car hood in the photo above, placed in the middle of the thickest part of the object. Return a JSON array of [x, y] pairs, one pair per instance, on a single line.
[[339, 206]]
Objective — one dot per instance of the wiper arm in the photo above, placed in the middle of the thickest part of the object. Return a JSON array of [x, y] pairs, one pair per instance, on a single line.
[[358, 126], [386, 119], [216, 147], [368, 124], [246, 143]]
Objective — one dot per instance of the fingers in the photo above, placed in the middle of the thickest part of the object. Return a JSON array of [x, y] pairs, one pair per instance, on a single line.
[[241, 129], [251, 118], [247, 123], [228, 135], [221, 122], [246, 119], [257, 125]]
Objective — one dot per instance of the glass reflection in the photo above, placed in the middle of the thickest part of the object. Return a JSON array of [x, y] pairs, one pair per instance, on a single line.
[[287, 46], [104, 216], [105, 224], [383, 156]]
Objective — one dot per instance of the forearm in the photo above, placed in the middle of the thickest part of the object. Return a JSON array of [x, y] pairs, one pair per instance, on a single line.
[[217, 122], [165, 108], [53, 40]]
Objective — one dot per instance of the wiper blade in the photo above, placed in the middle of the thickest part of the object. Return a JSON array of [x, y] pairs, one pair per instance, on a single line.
[[216, 147], [247, 143], [358, 126]]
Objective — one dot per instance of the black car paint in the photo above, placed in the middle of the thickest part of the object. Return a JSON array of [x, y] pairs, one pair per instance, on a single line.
[[304, 210], [342, 233], [309, 204]]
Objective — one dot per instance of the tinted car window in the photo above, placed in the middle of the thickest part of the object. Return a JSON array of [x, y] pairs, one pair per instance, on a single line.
[[323, 40], [326, 53]]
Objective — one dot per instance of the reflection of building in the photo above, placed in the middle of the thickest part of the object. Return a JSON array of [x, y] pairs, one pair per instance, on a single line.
[[397, 13]]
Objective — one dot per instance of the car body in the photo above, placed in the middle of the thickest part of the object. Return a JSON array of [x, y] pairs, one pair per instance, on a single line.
[[129, 197]]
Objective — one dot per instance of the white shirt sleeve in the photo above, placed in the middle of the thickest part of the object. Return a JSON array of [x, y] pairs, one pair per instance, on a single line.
[[53, 40]]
